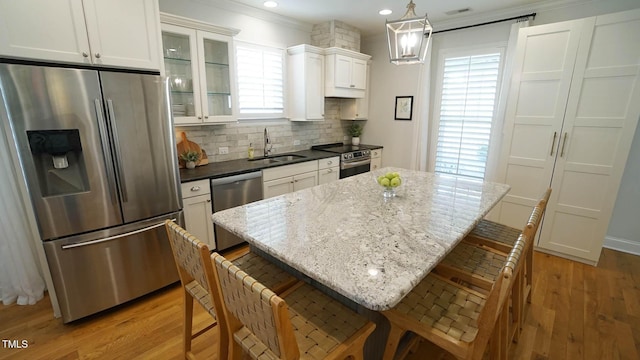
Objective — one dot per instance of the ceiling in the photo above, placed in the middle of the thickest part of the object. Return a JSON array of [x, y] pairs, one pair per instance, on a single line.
[[363, 14]]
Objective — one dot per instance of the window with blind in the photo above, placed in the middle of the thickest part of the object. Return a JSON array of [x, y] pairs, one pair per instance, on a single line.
[[260, 72], [467, 105]]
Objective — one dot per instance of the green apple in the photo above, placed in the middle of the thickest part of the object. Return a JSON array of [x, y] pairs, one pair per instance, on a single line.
[[389, 175], [380, 179], [385, 182], [395, 182]]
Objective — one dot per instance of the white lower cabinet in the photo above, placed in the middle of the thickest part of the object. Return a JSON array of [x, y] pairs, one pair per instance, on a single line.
[[289, 178], [376, 159], [196, 198], [328, 170]]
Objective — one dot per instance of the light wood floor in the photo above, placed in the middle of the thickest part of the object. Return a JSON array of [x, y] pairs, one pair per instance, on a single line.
[[577, 312]]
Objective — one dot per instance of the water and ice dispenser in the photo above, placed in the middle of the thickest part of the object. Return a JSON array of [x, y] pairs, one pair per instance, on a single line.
[[60, 166]]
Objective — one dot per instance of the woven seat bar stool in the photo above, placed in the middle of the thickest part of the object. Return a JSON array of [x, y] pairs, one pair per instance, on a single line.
[[502, 237], [454, 317], [479, 266], [197, 279], [302, 324]]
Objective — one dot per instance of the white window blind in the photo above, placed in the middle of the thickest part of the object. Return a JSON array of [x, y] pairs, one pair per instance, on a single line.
[[260, 81], [469, 89]]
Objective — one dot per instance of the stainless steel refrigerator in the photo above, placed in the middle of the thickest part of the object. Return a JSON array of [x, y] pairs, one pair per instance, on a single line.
[[97, 151]]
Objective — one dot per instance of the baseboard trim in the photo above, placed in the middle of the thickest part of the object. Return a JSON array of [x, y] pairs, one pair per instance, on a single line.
[[566, 256], [620, 244]]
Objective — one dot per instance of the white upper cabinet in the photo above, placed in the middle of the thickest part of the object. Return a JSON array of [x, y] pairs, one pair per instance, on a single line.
[[120, 33], [573, 110], [200, 66], [346, 73], [305, 66], [358, 108]]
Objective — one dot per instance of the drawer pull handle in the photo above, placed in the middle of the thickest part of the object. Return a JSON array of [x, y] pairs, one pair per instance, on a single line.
[[329, 171], [195, 188], [329, 162]]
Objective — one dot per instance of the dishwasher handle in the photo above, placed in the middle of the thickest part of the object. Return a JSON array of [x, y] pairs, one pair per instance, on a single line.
[[234, 178]]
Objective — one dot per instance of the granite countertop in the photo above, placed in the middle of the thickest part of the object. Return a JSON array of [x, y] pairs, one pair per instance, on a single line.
[[241, 166], [346, 236]]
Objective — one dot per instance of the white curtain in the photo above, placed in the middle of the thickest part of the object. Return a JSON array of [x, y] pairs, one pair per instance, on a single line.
[[20, 278], [421, 126], [498, 123]]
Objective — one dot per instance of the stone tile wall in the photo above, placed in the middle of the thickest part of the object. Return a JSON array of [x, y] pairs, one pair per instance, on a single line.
[[238, 136], [335, 33]]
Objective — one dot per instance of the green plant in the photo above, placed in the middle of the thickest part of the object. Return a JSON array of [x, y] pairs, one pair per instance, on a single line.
[[355, 130], [190, 156]]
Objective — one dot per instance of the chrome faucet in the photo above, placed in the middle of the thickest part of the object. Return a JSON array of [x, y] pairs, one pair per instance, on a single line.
[[267, 143]]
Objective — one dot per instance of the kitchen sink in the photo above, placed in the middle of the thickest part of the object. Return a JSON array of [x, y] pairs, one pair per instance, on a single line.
[[278, 159]]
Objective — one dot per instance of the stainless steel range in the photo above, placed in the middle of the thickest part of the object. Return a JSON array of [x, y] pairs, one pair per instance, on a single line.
[[354, 159]]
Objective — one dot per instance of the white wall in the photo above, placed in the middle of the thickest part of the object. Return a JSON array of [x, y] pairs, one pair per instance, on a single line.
[[255, 26], [389, 81], [624, 228]]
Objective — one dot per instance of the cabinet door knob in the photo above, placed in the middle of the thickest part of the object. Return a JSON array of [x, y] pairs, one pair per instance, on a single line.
[[195, 188], [199, 117], [208, 200], [352, 86], [97, 55], [206, 117], [329, 171], [84, 54], [329, 162]]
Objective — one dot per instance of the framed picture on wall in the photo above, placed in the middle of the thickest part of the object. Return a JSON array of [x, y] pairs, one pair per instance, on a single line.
[[404, 107]]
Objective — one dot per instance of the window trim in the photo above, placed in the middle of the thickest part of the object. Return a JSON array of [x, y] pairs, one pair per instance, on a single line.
[[496, 125], [261, 116]]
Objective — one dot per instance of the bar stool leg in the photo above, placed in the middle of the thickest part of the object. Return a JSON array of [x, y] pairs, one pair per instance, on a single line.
[[395, 334]]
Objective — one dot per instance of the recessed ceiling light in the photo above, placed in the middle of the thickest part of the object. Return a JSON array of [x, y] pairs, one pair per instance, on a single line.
[[270, 4], [385, 12]]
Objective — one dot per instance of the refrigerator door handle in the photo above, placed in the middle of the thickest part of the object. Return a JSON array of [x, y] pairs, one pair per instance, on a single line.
[[106, 151], [97, 241], [118, 157]]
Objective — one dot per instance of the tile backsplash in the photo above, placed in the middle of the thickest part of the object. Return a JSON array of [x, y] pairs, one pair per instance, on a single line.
[[237, 136]]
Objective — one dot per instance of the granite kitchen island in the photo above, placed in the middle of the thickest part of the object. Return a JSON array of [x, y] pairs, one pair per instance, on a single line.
[[366, 250], [349, 238]]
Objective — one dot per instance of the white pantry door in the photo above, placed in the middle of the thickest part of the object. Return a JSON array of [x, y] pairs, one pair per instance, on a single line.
[[600, 121], [542, 72]]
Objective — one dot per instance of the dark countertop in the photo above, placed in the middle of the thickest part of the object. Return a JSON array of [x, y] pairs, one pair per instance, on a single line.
[[241, 166]]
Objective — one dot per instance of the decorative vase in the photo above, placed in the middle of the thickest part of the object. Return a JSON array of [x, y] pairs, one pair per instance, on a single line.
[[389, 192], [355, 141], [190, 164]]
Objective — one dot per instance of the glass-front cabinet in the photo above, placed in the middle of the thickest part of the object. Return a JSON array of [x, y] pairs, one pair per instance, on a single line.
[[200, 68]]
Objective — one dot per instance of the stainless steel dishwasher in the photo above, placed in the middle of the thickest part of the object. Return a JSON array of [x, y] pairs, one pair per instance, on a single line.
[[232, 191]]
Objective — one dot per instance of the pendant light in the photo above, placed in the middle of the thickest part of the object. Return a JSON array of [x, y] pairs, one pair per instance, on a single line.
[[408, 37]]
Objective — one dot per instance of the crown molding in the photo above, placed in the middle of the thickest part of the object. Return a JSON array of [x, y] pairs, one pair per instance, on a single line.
[[167, 18], [257, 13], [486, 16]]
